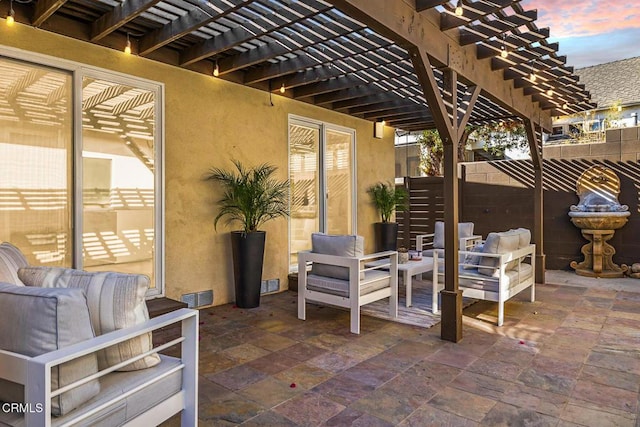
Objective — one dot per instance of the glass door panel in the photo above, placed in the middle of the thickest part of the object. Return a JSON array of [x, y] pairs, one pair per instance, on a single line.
[[118, 183], [36, 148], [321, 183], [339, 179], [304, 181]]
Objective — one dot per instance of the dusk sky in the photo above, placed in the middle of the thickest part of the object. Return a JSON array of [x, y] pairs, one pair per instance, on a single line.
[[591, 32]]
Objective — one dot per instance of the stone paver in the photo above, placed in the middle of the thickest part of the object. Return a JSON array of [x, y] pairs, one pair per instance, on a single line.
[[572, 358]]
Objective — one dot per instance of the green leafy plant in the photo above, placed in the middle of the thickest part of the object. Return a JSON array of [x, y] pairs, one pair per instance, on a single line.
[[252, 196], [500, 136], [388, 198], [431, 152]]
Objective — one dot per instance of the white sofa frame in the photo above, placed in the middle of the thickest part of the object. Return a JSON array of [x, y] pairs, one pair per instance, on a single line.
[[356, 266], [35, 373], [505, 289]]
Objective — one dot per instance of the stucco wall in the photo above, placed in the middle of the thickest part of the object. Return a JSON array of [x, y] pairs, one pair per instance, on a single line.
[[208, 121]]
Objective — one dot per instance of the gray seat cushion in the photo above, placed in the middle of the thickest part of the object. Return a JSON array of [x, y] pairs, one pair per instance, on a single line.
[[373, 280], [41, 320], [339, 245], [116, 384], [502, 243], [465, 229], [475, 280]]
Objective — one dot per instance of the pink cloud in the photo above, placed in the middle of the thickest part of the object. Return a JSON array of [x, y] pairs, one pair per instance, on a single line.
[[586, 17]]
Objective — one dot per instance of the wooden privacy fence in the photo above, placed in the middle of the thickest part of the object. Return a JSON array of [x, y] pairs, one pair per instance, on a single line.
[[425, 207]]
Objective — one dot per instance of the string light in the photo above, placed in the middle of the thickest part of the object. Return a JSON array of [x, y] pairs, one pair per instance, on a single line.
[[282, 88], [127, 48], [216, 70], [550, 92], [503, 48], [11, 17], [459, 10], [565, 106]]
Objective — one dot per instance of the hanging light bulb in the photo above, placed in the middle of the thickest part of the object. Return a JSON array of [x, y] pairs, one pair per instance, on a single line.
[[532, 76], [216, 70], [282, 89], [127, 48], [11, 17], [459, 10], [550, 92], [565, 106], [503, 48]]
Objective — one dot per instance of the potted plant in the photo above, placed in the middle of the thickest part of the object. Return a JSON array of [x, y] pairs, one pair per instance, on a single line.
[[387, 199], [251, 196]]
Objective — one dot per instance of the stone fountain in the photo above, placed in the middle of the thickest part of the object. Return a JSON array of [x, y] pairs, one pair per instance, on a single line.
[[598, 214]]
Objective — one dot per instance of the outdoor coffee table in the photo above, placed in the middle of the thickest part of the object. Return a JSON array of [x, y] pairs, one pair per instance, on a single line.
[[413, 268]]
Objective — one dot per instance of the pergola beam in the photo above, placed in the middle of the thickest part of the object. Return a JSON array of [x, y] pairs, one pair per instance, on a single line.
[[44, 9], [400, 22], [120, 15]]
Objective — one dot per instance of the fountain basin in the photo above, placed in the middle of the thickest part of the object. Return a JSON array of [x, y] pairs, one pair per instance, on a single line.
[[599, 220]]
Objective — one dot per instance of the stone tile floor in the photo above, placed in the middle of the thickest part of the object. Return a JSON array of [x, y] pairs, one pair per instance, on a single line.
[[571, 358]]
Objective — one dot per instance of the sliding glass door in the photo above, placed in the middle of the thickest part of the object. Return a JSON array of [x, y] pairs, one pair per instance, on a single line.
[[321, 176], [36, 152], [80, 182], [118, 171]]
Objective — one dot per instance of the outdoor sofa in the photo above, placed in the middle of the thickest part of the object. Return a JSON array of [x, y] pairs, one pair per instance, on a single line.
[[76, 349], [495, 270]]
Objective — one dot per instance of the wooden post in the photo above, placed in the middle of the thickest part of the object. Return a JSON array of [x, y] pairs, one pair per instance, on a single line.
[[406, 216], [535, 147]]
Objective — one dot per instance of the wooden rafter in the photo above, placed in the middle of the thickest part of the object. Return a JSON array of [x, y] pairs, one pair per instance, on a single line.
[[238, 35], [351, 57], [119, 16], [44, 9]]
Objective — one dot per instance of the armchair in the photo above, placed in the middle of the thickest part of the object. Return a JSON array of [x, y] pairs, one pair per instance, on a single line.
[[339, 277], [428, 244]]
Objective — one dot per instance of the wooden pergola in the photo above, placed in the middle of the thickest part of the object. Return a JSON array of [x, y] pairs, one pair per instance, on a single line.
[[416, 64]]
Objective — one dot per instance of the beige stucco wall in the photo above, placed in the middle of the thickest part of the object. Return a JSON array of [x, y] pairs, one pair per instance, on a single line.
[[208, 121]]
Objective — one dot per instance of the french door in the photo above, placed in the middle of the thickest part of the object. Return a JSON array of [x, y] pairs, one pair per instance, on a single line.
[[322, 182]]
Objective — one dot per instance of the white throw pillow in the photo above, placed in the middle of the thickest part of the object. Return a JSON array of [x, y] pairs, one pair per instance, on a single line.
[[42, 277], [116, 301], [11, 259]]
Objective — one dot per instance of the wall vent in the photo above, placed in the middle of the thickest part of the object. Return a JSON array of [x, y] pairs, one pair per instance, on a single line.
[[270, 285], [198, 299]]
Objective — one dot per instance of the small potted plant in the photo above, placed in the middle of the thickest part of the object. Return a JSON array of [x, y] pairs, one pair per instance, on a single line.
[[387, 198], [251, 197]]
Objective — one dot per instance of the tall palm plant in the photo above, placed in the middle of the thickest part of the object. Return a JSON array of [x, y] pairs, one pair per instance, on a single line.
[[387, 198], [252, 196]]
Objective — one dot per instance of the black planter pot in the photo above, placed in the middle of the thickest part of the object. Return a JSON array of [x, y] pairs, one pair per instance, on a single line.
[[386, 236], [248, 257]]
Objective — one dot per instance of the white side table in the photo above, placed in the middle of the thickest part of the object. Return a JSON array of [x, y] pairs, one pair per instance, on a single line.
[[413, 268]]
